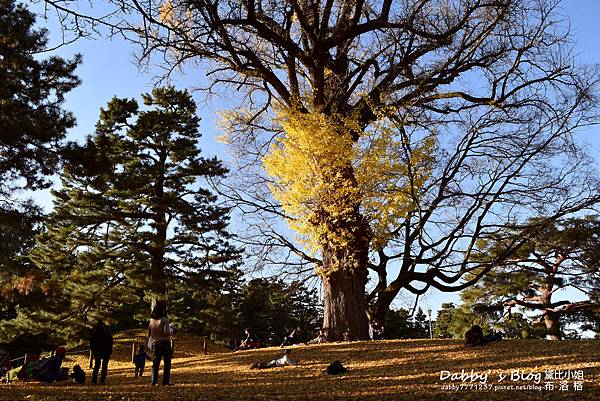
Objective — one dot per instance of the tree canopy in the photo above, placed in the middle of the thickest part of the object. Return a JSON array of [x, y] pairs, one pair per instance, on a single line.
[[466, 109], [557, 256], [32, 91], [133, 221], [33, 125]]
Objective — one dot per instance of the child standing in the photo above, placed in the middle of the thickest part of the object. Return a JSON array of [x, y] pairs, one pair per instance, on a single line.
[[140, 360]]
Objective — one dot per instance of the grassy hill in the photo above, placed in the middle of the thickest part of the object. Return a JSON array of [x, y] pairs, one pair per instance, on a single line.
[[378, 370]]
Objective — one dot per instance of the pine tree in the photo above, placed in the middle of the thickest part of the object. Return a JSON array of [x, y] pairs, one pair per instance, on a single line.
[[132, 221], [273, 308], [18, 276], [554, 256], [441, 328], [204, 303], [421, 324], [32, 90], [32, 126], [398, 324]]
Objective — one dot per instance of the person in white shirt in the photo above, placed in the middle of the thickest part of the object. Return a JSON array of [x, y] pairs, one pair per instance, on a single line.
[[159, 335], [276, 363]]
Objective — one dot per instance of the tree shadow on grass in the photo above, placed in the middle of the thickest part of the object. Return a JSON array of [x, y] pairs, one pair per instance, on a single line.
[[380, 370]]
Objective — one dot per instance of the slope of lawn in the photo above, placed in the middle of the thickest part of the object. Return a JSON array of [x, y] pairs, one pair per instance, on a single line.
[[378, 370]]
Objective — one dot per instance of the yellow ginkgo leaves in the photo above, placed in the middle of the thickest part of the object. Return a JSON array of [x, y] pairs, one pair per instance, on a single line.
[[327, 170]]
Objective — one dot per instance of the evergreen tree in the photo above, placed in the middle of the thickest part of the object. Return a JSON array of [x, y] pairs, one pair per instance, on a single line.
[[421, 324], [32, 125], [32, 90], [273, 308], [441, 328], [132, 221], [398, 324], [454, 321], [554, 256], [18, 275], [203, 303]]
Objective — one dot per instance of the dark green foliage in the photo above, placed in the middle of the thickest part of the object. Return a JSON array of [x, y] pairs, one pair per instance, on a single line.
[[18, 276], [400, 324], [454, 321], [204, 303], [556, 255], [421, 325], [32, 90], [32, 126], [273, 308], [133, 223], [443, 322]]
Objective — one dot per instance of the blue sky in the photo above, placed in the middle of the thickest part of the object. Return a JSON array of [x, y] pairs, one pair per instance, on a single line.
[[109, 70]]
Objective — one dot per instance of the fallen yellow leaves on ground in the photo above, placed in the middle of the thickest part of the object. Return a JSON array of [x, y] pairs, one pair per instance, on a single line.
[[378, 370]]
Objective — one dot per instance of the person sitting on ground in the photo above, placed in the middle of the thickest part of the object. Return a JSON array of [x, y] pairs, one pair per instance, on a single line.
[[51, 369], [140, 360], [474, 336], [5, 365], [376, 331], [30, 364], [295, 337], [320, 339], [250, 342], [276, 363], [28, 369]]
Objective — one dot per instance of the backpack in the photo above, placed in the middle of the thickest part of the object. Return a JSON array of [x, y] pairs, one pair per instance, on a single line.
[[335, 368], [78, 375]]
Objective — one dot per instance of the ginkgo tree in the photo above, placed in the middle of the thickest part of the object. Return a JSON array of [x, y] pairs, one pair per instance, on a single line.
[[390, 135]]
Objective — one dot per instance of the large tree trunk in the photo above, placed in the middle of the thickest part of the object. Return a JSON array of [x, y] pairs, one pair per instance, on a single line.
[[345, 315], [552, 321]]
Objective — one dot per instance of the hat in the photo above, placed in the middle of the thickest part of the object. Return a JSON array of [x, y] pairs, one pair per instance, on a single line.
[[60, 350]]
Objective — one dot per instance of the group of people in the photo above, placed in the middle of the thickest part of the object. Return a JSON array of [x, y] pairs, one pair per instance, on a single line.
[[160, 332], [45, 370], [294, 338]]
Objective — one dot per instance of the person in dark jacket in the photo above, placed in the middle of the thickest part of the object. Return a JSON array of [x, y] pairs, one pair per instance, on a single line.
[[101, 344], [140, 360], [295, 337], [474, 336], [51, 369]]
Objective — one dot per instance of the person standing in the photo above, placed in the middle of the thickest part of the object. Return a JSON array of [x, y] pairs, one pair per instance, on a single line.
[[101, 344], [159, 334], [139, 360]]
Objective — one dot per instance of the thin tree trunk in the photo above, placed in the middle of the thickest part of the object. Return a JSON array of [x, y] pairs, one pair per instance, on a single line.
[[159, 276]]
